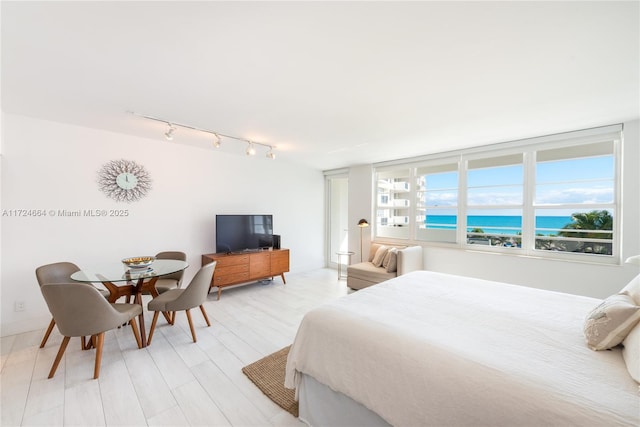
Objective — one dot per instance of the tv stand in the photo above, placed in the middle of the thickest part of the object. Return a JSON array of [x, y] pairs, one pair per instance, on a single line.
[[236, 268]]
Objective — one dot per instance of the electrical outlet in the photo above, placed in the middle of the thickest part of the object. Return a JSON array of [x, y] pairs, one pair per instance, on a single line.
[[19, 306]]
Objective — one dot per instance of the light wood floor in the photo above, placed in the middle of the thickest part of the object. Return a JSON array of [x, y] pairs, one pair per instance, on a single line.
[[173, 382]]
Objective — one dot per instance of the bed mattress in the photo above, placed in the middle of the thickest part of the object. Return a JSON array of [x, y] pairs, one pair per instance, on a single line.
[[435, 349]]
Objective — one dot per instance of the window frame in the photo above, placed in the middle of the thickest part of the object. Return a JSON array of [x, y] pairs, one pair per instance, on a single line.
[[445, 164], [528, 149], [402, 173]]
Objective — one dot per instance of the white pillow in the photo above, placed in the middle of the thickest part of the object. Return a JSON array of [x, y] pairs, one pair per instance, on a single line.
[[610, 322], [390, 262], [372, 251], [631, 352], [379, 256], [633, 289]]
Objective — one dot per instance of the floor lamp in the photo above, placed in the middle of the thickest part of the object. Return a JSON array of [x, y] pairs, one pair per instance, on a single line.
[[362, 224]]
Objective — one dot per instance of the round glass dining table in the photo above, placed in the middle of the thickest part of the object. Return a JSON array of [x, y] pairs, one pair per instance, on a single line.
[[121, 281]]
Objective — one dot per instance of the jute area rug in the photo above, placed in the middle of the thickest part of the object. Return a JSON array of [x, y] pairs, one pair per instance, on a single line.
[[268, 375]]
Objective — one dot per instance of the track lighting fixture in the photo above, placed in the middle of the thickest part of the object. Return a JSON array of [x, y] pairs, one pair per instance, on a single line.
[[169, 133], [217, 136]]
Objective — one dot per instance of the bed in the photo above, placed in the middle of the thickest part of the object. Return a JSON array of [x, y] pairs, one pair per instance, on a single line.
[[431, 349]]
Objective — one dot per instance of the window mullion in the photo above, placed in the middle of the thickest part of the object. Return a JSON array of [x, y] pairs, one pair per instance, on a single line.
[[528, 211], [413, 203], [462, 202], [617, 200]]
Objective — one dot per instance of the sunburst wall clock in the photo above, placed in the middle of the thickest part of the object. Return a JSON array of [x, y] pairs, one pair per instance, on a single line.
[[124, 180]]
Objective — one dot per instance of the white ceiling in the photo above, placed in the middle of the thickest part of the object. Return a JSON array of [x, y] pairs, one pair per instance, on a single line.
[[331, 84]]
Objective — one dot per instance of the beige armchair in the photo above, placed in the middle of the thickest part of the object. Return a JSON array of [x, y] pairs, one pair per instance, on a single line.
[[192, 296], [378, 269], [80, 310]]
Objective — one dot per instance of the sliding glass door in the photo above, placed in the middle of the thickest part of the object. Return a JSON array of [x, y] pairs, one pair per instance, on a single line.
[[337, 191]]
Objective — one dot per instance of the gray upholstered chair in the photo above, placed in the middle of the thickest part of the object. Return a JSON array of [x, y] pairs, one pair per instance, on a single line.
[[185, 299], [58, 272], [171, 281], [165, 283], [80, 310]]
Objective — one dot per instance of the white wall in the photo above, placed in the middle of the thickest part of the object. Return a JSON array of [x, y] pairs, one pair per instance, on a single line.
[[571, 277], [53, 166], [360, 197]]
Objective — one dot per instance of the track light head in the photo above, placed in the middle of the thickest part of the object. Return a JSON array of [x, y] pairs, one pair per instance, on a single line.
[[270, 154], [251, 151], [216, 140], [169, 133]]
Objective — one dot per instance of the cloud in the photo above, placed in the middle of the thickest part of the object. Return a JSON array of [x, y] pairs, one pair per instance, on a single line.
[[494, 199], [442, 199], [575, 195]]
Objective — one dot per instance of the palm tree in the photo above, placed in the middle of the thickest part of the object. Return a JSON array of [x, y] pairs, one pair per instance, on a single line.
[[473, 237], [594, 220], [500, 240]]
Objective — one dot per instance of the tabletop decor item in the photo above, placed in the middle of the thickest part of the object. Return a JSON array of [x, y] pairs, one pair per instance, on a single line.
[[139, 262], [124, 180]]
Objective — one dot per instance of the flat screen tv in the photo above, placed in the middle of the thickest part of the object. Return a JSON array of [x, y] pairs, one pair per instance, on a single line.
[[238, 233]]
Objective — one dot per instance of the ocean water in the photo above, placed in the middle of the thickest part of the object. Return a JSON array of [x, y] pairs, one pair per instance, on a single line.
[[499, 224]]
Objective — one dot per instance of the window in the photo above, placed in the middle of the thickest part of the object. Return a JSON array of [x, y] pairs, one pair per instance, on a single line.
[[575, 199], [437, 202], [495, 198], [393, 203], [554, 197]]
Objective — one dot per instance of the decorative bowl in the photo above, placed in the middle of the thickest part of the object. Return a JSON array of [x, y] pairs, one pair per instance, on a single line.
[[138, 262]]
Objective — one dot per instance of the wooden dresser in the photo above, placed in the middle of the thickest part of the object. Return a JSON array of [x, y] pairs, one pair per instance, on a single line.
[[236, 268]]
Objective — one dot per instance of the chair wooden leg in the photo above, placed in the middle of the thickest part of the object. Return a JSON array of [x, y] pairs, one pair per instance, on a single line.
[[167, 316], [173, 317], [46, 334], [204, 314], [136, 333], [153, 326], [99, 342], [87, 344], [193, 331], [63, 347]]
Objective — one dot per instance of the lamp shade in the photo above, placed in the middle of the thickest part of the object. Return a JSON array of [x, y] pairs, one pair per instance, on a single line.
[[363, 223], [633, 260]]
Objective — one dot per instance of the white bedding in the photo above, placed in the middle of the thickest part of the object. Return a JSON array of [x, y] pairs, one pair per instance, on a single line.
[[435, 349]]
